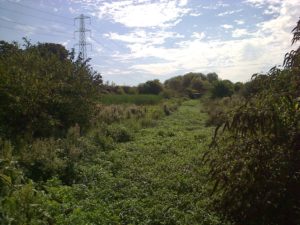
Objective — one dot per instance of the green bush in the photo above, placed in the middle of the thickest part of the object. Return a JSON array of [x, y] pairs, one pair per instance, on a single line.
[[218, 109], [140, 99], [193, 85], [151, 87], [119, 133], [256, 159], [43, 90], [43, 159], [115, 113], [46, 158], [222, 88], [148, 122], [24, 205]]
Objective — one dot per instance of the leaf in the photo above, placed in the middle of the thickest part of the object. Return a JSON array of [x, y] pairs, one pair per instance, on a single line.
[[5, 179]]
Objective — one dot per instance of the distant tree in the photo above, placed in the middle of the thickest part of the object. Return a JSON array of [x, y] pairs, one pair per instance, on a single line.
[[222, 88], [150, 87], [197, 84], [238, 86], [174, 83], [188, 78], [7, 49], [129, 90], [126, 89], [212, 77]]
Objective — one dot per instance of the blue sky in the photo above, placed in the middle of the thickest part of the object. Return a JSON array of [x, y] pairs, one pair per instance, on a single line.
[[138, 40]]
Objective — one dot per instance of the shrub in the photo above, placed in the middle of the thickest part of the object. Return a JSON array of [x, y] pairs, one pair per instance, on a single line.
[[115, 113], [222, 88], [148, 122], [151, 87], [138, 99], [218, 109], [43, 90], [43, 159], [119, 133], [256, 162], [24, 205]]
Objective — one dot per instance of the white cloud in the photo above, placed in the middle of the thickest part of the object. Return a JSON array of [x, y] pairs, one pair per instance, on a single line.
[[182, 2], [153, 13], [28, 30], [117, 71], [65, 43], [272, 6], [5, 18], [230, 12], [227, 26], [157, 68], [72, 10], [195, 14], [239, 22], [239, 33], [261, 3], [237, 59], [253, 49], [218, 5], [198, 35], [272, 10], [140, 36]]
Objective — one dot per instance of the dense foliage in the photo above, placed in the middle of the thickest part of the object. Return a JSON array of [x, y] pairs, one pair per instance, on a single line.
[[137, 169], [196, 85], [43, 90], [190, 83], [222, 88], [150, 87], [256, 161], [138, 99]]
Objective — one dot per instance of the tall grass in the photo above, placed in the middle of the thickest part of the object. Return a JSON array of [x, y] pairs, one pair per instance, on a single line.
[[109, 99]]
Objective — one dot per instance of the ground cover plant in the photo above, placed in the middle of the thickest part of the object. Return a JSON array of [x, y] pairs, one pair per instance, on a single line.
[[138, 99], [119, 175]]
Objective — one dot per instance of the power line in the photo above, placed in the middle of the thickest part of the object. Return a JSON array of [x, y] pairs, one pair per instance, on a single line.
[[42, 11], [24, 24], [38, 33], [35, 16]]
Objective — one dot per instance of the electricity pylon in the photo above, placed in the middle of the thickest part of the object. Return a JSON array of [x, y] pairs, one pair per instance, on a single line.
[[82, 35]]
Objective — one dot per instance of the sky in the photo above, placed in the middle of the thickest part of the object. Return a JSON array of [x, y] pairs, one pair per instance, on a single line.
[[133, 41]]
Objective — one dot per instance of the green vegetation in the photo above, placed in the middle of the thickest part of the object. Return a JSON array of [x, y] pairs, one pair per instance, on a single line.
[[222, 88], [141, 99], [43, 90], [194, 150], [128, 172], [189, 84], [151, 87], [256, 162]]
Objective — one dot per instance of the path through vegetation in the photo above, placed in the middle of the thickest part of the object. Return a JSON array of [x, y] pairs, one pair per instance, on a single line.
[[161, 178]]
